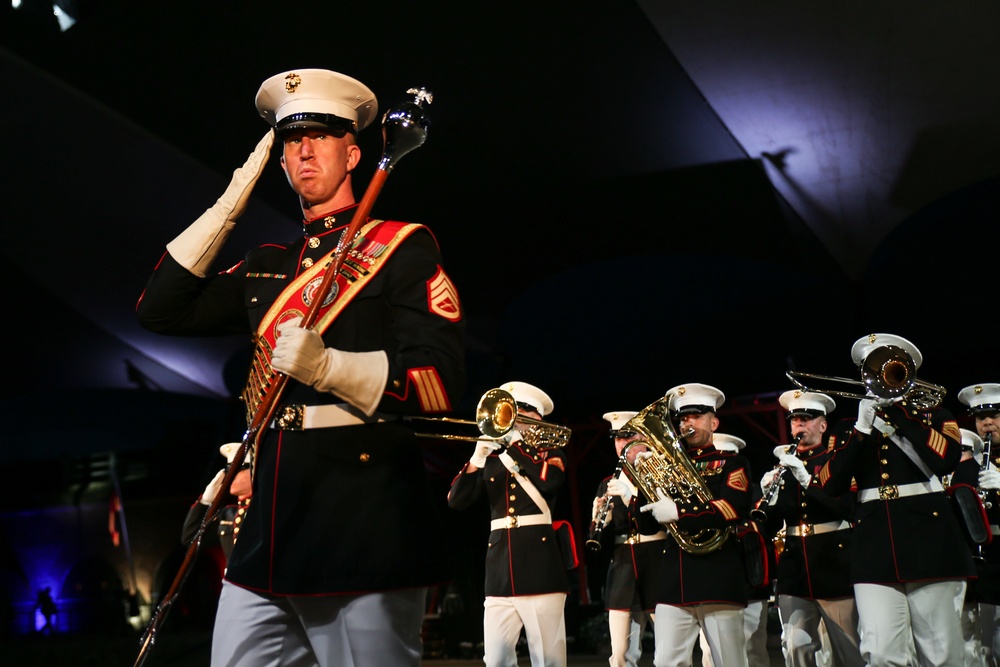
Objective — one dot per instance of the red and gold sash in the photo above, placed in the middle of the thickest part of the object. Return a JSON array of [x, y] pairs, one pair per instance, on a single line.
[[375, 243]]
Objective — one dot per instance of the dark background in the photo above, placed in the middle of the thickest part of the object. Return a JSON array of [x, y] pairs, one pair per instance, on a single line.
[[628, 196]]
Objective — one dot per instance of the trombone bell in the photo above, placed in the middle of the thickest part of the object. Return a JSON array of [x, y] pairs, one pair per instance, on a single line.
[[496, 416], [887, 372]]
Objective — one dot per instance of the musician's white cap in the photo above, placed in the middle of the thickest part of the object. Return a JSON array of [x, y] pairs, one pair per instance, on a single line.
[[809, 404], [528, 396], [972, 440], [981, 398], [866, 344], [695, 399], [728, 443], [619, 418], [229, 450], [308, 98]]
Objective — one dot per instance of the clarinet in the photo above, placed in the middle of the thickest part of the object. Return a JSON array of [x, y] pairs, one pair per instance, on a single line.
[[987, 446], [984, 465], [603, 515], [758, 513]]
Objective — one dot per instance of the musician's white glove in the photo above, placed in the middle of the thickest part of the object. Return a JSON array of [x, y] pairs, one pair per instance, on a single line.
[[866, 415], [357, 377], [197, 246], [510, 437], [617, 487], [598, 504], [213, 488], [483, 449], [989, 480], [797, 468], [664, 510], [767, 480]]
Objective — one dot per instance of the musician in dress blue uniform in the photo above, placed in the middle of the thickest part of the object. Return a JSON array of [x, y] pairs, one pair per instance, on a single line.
[[703, 591], [312, 580], [635, 539], [526, 583], [813, 584], [983, 403], [910, 562]]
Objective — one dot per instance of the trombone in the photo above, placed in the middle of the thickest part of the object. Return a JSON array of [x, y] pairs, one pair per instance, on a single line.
[[496, 416], [887, 372]]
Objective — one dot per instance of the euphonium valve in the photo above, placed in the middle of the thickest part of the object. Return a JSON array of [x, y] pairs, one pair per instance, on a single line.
[[667, 471]]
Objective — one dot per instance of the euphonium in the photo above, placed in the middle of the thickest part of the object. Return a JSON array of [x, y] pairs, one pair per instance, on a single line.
[[668, 472]]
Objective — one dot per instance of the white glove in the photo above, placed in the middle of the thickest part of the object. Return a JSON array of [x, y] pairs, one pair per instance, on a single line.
[[664, 510], [483, 449], [617, 487], [357, 377], [213, 488], [797, 468], [866, 415], [598, 504], [510, 437], [197, 246], [989, 480], [768, 479], [781, 450]]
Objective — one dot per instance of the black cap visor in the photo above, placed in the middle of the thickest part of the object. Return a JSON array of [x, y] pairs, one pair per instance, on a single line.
[[313, 121]]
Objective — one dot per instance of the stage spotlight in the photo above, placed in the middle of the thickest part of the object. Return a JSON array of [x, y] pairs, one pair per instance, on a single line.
[[66, 13]]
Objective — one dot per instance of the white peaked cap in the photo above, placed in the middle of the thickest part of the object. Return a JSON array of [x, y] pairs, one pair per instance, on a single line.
[[529, 395], [972, 439], [728, 443], [315, 98], [981, 397], [229, 450], [618, 419], [811, 403], [688, 398], [866, 344]]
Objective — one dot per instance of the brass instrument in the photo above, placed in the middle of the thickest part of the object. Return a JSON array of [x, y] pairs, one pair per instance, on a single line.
[[887, 372], [759, 513], [496, 416], [667, 471], [603, 514]]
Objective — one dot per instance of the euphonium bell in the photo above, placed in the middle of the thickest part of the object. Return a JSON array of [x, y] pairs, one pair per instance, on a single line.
[[668, 472]]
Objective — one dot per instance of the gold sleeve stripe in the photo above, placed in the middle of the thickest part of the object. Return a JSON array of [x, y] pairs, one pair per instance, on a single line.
[[937, 443], [824, 473], [430, 390], [725, 509]]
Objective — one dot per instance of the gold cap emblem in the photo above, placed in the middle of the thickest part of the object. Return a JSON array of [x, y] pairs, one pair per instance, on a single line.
[[872, 338], [292, 82]]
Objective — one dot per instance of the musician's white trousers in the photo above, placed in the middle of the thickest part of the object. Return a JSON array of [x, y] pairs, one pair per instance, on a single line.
[[370, 630], [755, 631], [895, 621], [800, 631], [989, 623], [625, 629], [676, 630], [544, 623]]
